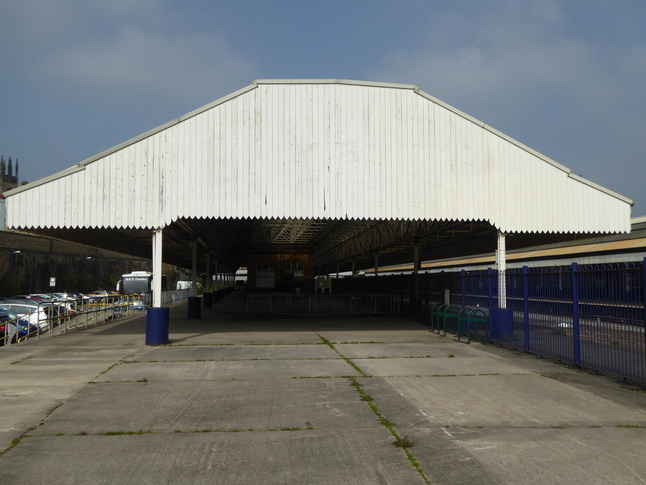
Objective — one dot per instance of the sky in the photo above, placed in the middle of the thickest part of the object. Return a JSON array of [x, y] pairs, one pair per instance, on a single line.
[[565, 77]]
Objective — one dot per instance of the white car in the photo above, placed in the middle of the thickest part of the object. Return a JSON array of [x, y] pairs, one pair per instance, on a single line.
[[34, 313]]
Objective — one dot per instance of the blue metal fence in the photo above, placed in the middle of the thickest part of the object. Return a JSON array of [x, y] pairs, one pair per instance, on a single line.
[[588, 316]]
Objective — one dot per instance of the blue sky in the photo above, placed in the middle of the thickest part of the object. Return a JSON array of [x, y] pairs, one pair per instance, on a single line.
[[565, 77]]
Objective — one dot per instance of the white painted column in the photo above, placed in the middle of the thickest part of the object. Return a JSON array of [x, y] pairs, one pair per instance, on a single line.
[[501, 266], [157, 268]]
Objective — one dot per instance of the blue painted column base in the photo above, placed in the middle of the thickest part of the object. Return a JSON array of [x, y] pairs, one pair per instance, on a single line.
[[502, 324], [157, 326]]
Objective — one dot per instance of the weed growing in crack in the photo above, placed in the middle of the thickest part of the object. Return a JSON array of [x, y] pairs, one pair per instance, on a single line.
[[403, 442]]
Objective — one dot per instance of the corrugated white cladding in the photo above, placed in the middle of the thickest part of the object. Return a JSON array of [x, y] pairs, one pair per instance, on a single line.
[[321, 149]]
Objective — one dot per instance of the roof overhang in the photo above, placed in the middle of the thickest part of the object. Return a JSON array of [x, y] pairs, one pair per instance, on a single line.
[[341, 169]]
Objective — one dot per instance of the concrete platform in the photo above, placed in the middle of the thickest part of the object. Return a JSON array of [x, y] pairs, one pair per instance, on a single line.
[[235, 399]]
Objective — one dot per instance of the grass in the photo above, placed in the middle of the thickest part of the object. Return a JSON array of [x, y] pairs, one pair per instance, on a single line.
[[14, 443], [236, 430], [109, 368], [327, 342], [120, 433], [403, 442], [348, 361], [312, 377], [21, 360], [368, 342]]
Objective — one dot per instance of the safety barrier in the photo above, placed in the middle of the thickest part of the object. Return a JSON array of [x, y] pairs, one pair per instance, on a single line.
[[322, 304], [58, 317], [588, 316], [16, 330]]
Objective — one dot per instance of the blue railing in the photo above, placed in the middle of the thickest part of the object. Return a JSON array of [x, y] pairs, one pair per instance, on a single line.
[[587, 316]]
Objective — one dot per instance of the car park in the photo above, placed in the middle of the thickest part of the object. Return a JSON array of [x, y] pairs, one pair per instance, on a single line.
[[34, 313], [57, 307], [13, 328], [42, 296], [67, 304], [8, 332]]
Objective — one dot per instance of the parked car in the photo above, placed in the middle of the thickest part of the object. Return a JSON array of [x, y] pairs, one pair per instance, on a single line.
[[12, 327], [62, 300], [34, 313], [7, 333], [42, 296], [97, 296]]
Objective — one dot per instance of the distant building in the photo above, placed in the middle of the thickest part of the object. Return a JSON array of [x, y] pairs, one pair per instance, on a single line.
[[9, 176]]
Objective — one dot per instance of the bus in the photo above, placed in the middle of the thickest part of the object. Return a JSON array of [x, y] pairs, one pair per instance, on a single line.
[[138, 282]]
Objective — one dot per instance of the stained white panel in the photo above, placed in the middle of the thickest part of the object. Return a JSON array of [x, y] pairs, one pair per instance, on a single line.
[[323, 150]]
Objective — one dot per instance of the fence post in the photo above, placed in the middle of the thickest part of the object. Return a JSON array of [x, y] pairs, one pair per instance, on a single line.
[[575, 314], [526, 305], [463, 281]]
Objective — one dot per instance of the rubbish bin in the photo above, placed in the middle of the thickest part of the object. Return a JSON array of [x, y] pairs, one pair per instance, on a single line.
[[194, 308], [157, 326]]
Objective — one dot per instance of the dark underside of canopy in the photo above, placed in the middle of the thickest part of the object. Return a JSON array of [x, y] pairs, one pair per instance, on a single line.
[[333, 244]]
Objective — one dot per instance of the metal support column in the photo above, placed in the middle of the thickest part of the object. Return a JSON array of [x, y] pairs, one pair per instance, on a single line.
[[576, 331], [194, 267], [157, 318], [526, 307], [416, 265], [157, 268], [208, 282], [501, 266]]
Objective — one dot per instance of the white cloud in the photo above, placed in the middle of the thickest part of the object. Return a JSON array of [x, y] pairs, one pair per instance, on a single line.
[[498, 60], [135, 62], [120, 50]]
